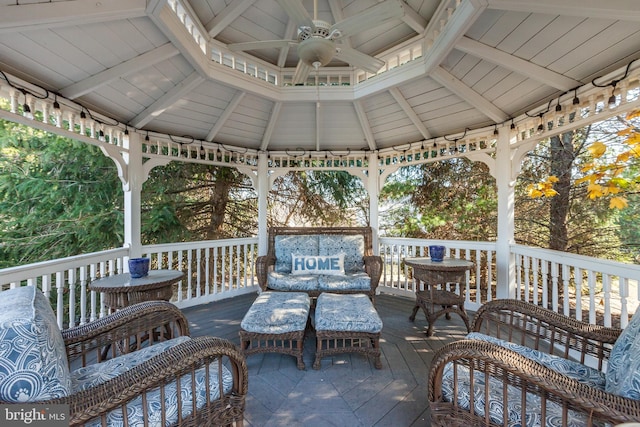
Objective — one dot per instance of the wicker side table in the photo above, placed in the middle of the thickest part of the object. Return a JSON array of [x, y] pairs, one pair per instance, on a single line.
[[120, 290], [436, 302]]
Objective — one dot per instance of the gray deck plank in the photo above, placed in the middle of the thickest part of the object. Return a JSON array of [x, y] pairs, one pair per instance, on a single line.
[[347, 390]]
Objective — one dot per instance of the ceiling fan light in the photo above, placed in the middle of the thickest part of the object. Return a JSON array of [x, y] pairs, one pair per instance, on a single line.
[[316, 50]]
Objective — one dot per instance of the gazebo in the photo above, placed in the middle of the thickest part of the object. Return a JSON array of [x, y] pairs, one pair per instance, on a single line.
[[363, 86], [269, 87]]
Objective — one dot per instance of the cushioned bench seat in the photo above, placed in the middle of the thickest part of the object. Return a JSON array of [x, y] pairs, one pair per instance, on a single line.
[[316, 260], [276, 323], [346, 323]]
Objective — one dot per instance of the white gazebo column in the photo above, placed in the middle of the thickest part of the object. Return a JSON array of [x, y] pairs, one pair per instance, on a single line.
[[505, 181], [132, 186], [373, 189], [263, 192]]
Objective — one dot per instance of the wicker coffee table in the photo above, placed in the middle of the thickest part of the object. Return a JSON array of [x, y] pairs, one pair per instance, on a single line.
[[435, 302]]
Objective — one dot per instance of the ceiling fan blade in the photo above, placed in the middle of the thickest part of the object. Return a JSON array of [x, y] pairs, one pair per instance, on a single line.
[[359, 59], [265, 44], [302, 72], [297, 12], [369, 18]]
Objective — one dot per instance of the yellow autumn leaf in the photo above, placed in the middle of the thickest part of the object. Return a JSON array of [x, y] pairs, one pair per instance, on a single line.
[[587, 167], [533, 191], [633, 114], [588, 178], [549, 192], [595, 191], [624, 132], [623, 157], [552, 178], [597, 149], [635, 151], [617, 203], [633, 139], [612, 189]]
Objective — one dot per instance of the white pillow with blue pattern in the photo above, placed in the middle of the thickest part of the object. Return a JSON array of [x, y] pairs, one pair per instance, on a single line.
[[329, 265], [623, 369], [33, 358]]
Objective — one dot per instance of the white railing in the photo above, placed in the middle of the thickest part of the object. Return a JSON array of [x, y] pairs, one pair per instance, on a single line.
[[582, 287], [397, 278], [220, 269], [214, 269], [65, 282]]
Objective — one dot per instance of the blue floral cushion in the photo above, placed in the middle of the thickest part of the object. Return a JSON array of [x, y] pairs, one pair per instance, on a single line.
[[285, 245], [623, 370], [289, 282], [98, 373], [496, 403], [135, 412], [346, 312], [33, 358], [351, 245], [571, 369], [277, 313], [356, 281]]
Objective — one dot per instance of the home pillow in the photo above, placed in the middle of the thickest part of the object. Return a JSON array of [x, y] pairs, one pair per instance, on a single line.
[[330, 265]]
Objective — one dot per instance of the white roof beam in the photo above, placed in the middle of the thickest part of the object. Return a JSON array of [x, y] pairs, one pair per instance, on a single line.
[[227, 16], [364, 124], [516, 64], [271, 125], [336, 11], [413, 19], [138, 63], [32, 16], [624, 10], [472, 97], [408, 110], [465, 15], [233, 104], [289, 34], [167, 100]]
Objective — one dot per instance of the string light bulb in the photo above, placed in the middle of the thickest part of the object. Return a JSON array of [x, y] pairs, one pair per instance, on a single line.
[[576, 100]]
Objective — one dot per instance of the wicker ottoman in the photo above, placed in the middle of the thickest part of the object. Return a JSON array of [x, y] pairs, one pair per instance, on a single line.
[[346, 323], [275, 323]]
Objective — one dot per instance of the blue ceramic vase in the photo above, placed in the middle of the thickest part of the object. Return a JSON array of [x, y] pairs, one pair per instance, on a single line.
[[436, 252], [138, 267]]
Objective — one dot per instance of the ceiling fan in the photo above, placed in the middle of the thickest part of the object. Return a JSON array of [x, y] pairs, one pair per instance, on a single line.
[[316, 42]]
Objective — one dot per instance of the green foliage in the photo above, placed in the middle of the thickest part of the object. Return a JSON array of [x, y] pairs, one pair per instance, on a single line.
[[451, 199], [318, 198], [44, 207]]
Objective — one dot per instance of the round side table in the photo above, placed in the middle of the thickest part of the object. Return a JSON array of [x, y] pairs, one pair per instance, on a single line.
[[436, 302]]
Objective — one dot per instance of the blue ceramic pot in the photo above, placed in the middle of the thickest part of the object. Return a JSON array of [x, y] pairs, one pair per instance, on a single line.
[[138, 267], [436, 252]]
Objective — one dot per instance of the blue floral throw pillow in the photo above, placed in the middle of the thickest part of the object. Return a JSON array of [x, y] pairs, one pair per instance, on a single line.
[[623, 370], [33, 359]]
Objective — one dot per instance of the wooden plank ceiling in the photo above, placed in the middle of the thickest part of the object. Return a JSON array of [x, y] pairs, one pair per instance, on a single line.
[[495, 60]]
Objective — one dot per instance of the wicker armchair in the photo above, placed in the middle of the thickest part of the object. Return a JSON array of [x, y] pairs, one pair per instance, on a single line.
[[507, 358], [131, 363]]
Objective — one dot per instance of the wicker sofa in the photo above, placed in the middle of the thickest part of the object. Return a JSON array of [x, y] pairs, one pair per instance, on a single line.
[[538, 367], [137, 366], [307, 247]]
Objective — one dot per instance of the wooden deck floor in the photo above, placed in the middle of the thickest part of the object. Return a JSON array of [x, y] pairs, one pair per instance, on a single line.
[[347, 390]]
